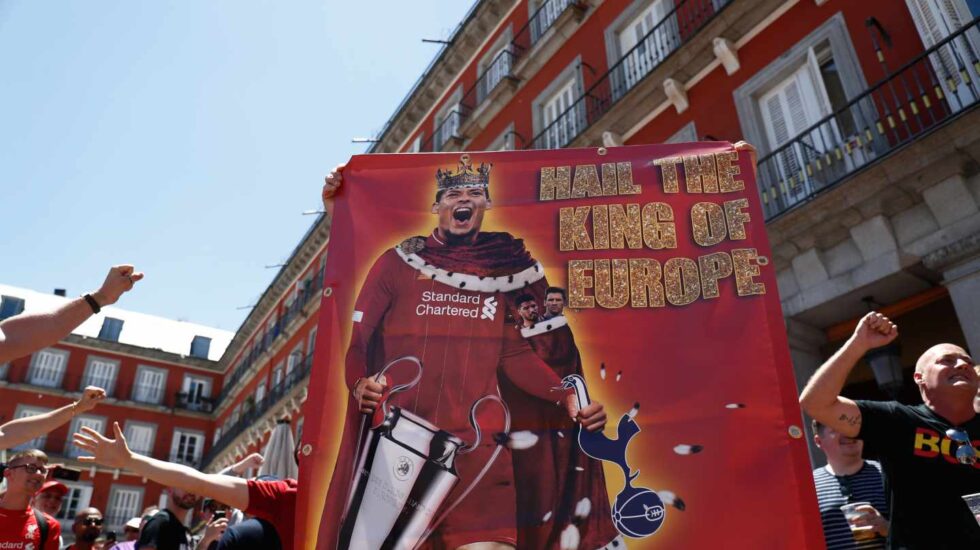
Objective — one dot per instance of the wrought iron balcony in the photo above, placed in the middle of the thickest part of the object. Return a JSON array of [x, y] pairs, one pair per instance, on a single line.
[[255, 413], [927, 92], [188, 402], [539, 22], [675, 29]]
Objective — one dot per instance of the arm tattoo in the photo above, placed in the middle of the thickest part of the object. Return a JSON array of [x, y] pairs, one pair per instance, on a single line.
[[851, 420]]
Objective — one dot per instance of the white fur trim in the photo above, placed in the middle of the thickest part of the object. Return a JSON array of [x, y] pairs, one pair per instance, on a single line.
[[542, 327], [463, 281]]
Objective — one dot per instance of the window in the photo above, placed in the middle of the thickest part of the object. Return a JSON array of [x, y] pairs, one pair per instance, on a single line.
[[4, 370], [111, 329], [10, 306], [150, 384], [94, 422], [544, 13], [260, 391], [236, 413], [79, 496], [48, 367], [187, 447], [558, 119], [299, 428], [447, 125], [141, 437], [686, 134], [311, 343], [503, 142], [27, 412], [277, 375], [293, 360], [196, 390], [416, 144], [217, 435], [100, 372], [124, 504], [200, 347], [937, 19], [495, 65], [643, 36]]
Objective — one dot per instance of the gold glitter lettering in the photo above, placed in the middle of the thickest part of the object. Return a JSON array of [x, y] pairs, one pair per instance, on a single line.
[[681, 281], [612, 287], [624, 223], [554, 183], [608, 179], [714, 267], [600, 226], [586, 182], [571, 229], [737, 218], [746, 270], [625, 178], [700, 174], [727, 170], [578, 282], [646, 288], [658, 226], [708, 223], [668, 173]]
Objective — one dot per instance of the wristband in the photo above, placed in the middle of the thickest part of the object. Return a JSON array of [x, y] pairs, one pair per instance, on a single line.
[[92, 303]]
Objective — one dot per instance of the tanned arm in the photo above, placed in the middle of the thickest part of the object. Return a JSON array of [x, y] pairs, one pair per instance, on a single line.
[[821, 397], [22, 430], [114, 453], [26, 333]]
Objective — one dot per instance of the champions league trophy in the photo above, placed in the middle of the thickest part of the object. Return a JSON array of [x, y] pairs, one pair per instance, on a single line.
[[638, 512], [404, 470]]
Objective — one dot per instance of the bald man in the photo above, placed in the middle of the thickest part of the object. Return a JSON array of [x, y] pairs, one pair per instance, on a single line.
[[928, 451]]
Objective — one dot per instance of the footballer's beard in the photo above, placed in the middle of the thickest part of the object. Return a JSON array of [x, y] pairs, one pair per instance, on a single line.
[[88, 536]]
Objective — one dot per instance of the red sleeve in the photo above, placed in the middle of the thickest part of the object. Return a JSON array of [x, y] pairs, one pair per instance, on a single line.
[[273, 501], [54, 533], [525, 369], [372, 303]]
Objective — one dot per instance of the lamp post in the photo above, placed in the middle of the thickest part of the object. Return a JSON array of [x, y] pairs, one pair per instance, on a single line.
[[886, 364]]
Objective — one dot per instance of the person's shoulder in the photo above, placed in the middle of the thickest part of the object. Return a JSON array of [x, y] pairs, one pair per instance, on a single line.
[[874, 464]]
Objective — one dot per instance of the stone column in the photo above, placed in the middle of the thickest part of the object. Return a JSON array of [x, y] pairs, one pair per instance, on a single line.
[[804, 349], [959, 263]]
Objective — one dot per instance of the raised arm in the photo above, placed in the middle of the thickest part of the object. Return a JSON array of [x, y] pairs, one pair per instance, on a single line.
[[114, 453], [26, 333], [22, 430], [821, 397]]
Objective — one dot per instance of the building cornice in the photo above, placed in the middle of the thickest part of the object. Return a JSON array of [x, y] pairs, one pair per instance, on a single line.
[[141, 353]]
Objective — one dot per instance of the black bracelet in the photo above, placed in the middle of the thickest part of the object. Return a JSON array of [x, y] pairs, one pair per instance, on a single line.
[[92, 303]]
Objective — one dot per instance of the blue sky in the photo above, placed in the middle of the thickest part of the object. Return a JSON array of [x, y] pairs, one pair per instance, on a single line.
[[187, 136]]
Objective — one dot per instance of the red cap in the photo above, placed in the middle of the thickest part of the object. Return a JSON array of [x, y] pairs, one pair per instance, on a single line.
[[52, 485]]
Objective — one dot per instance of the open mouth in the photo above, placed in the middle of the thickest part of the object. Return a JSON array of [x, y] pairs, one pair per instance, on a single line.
[[959, 378], [463, 214]]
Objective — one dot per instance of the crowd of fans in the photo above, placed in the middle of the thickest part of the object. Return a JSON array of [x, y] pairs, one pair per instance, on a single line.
[[910, 496]]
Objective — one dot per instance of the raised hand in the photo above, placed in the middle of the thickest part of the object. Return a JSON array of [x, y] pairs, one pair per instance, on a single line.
[[874, 330], [254, 460], [120, 279], [91, 396], [113, 453], [332, 182]]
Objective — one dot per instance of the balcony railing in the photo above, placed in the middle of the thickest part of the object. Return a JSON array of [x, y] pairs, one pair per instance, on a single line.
[[271, 399], [932, 89], [676, 28], [193, 403], [540, 21], [497, 71], [310, 293]]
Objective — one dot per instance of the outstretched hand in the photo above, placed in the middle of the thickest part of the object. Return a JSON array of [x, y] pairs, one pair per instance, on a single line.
[[254, 461], [113, 453]]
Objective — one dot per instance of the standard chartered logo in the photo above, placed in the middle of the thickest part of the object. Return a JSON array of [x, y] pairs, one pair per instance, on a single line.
[[489, 308], [456, 304]]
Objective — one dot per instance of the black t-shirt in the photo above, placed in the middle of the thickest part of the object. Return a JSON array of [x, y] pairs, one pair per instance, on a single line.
[[924, 478], [164, 532], [251, 533]]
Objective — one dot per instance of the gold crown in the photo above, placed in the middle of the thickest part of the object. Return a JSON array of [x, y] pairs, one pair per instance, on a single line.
[[464, 176]]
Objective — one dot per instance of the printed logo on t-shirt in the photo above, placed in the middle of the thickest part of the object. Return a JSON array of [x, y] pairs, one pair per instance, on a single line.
[[456, 304], [931, 444]]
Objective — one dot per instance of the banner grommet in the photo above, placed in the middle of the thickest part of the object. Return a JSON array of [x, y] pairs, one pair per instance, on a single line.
[[327, 292], [307, 449], [602, 151], [795, 432]]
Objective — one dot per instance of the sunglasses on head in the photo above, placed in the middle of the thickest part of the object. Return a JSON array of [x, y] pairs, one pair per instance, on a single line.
[[31, 468], [92, 521], [966, 453]]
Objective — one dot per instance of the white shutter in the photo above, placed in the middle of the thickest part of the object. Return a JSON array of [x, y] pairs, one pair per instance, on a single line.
[[937, 19], [140, 438], [124, 504], [101, 373], [97, 424], [260, 392], [149, 385], [49, 367], [186, 446], [37, 442], [560, 129]]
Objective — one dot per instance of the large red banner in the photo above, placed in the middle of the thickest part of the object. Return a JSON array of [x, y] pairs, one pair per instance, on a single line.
[[632, 277]]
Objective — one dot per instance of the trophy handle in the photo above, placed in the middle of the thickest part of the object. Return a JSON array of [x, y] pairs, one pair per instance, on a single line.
[[463, 450], [476, 425], [576, 382], [400, 387]]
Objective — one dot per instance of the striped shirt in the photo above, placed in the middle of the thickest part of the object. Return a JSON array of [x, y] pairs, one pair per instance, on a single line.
[[864, 486]]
